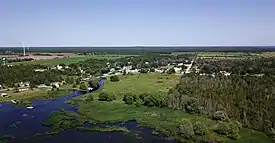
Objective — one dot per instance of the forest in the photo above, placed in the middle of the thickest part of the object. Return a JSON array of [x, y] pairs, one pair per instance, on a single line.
[[11, 75], [248, 99], [238, 66]]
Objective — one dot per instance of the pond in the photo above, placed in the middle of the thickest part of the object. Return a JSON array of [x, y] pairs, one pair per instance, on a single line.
[[23, 124]]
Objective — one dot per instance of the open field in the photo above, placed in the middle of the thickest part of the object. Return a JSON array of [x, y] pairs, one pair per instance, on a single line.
[[225, 55], [69, 60], [141, 83]]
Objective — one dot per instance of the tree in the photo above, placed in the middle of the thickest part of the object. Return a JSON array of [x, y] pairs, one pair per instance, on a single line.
[[104, 96], [83, 87], [94, 83], [186, 130], [47, 82], [114, 78], [171, 71]]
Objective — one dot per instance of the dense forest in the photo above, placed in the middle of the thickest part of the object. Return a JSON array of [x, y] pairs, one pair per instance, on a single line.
[[248, 99], [239, 66], [11, 75]]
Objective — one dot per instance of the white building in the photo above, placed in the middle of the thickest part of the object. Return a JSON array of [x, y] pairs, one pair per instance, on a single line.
[[177, 70], [4, 95], [180, 64], [56, 84], [59, 67]]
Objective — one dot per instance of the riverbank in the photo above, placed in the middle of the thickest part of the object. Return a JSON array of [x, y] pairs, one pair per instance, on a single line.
[[30, 95]]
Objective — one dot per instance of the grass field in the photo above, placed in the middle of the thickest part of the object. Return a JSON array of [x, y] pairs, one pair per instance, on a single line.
[[225, 55], [160, 119], [69, 60], [34, 94]]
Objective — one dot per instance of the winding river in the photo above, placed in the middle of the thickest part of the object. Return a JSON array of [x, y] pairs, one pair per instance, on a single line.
[[23, 123]]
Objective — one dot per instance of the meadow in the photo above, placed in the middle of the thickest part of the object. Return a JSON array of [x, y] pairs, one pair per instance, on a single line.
[[162, 120]]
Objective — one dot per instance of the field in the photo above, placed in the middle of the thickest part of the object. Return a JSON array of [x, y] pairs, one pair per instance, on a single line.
[[30, 95], [160, 119], [225, 55], [69, 60]]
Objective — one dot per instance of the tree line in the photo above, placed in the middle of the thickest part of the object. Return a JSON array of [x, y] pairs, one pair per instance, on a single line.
[[248, 99]]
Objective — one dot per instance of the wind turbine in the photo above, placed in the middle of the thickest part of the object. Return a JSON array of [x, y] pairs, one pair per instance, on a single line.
[[24, 49]]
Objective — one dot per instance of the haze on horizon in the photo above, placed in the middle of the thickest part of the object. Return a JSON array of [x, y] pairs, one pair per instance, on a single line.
[[137, 22]]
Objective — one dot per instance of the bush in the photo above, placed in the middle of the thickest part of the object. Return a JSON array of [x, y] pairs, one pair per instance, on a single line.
[[114, 78], [171, 71], [104, 96], [228, 128], [143, 95], [192, 105], [83, 87], [129, 98], [139, 103], [74, 85], [143, 70], [199, 128], [220, 115], [186, 130], [155, 100]]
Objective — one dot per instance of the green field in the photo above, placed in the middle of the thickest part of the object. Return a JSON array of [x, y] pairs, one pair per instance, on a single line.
[[34, 94], [69, 60], [160, 119], [225, 55]]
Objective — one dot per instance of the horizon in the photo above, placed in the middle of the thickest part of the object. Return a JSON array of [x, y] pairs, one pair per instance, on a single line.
[[121, 23]]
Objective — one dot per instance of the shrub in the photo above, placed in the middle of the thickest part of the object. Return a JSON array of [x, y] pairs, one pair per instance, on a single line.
[[139, 103], [155, 100], [143, 95], [199, 128], [114, 78], [104, 96], [129, 98], [228, 128], [171, 71], [83, 87], [192, 105], [220, 115], [186, 130]]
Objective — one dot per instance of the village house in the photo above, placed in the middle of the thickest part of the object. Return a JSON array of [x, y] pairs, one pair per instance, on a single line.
[[40, 70], [177, 70], [4, 95]]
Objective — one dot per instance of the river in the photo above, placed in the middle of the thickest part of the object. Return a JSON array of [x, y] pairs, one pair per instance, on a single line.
[[22, 123]]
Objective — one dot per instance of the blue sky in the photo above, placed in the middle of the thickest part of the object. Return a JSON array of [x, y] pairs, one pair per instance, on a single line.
[[137, 22]]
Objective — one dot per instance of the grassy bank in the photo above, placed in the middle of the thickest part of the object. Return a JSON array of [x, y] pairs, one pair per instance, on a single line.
[[29, 95], [162, 120]]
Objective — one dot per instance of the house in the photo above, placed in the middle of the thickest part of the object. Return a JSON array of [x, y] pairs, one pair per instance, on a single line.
[[177, 70], [59, 67], [56, 84], [42, 86], [159, 70], [180, 64], [39, 70], [112, 70], [4, 95], [23, 89], [225, 73]]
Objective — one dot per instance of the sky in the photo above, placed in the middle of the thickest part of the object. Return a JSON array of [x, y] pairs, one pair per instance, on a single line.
[[137, 22]]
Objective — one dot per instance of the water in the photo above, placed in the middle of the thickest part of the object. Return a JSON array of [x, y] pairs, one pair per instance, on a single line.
[[22, 123]]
